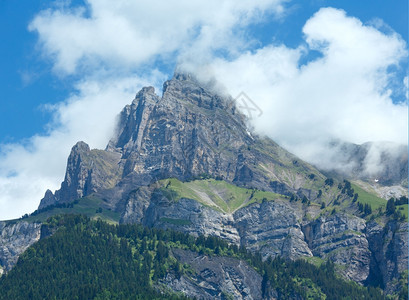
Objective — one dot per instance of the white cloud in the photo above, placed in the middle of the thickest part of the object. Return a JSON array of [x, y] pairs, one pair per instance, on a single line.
[[28, 169], [342, 95], [103, 44], [127, 33]]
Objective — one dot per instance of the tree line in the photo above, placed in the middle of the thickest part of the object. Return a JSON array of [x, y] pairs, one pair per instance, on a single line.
[[91, 259]]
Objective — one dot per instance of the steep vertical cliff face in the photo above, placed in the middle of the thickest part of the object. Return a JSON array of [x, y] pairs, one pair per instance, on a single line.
[[189, 131], [78, 175], [215, 278], [341, 238], [15, 238], [277, 228], [273, 228], [389, 246], [132, 122], [191, 217], [88, 171]]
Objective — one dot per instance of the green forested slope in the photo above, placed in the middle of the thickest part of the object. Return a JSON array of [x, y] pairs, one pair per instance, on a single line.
[[87, 259]]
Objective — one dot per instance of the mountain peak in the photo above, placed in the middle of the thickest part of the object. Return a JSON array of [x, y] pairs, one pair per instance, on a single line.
[[190, 131], [80, 147], [185, 86], [183, 76]]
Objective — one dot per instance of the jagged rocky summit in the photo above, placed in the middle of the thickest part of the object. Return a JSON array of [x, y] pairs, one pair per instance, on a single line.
[[188, 132], [187, 161]]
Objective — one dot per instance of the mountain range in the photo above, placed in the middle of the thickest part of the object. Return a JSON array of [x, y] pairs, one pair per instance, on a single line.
[[187, 161]]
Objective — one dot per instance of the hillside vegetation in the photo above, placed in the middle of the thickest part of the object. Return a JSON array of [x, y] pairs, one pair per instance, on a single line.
[[214, 193], [86, 259]]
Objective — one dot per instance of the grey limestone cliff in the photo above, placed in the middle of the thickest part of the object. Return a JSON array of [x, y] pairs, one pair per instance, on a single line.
[[389, 245], [187, 132], [215, 278], [87, 172], [341, 238], [15, 238]]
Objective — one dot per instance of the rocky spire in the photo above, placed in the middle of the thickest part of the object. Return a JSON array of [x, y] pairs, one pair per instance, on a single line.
[[87, 171]]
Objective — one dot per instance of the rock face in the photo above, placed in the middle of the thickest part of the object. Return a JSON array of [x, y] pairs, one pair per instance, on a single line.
[[215, 278], [342, 239], [191, 217], [188, 132], [191, 132], [276, 228], [15, 239], [271, 227], [87, 172], [177, 134], [389, 245]]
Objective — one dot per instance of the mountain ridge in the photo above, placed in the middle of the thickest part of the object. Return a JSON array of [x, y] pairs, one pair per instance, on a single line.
[[189, 131], [187, 161]]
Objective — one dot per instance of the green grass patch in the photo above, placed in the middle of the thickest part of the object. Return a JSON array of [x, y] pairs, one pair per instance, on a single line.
[[216, 194], [367, 198], [315, 260], [90, 206]]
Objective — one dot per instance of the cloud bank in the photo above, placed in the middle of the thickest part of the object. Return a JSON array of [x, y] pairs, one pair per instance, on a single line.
[[111, 48], [127, 34], [345, 93]]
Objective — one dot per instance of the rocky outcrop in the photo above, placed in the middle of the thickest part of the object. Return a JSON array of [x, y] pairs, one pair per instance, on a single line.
[[15, 238], [137, 203], [179, 134], [341, 238], [277, 228], [271, 227], [49, 199], [389, 246], [215, 278], [88, 171], [188, 132], [132, 122], [191, 217]]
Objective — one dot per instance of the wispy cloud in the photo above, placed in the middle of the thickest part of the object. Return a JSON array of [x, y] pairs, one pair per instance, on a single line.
[[345, 94], [29, 168], [126, 34], [111, 48]]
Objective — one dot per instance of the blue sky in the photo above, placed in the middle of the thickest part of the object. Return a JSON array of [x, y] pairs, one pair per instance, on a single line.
[[27, 82], [67, 68]]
